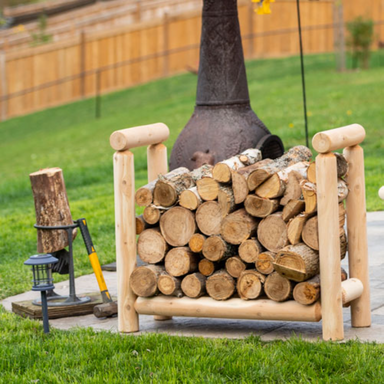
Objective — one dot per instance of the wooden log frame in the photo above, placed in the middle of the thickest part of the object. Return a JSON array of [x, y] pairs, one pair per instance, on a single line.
[[330, 309]]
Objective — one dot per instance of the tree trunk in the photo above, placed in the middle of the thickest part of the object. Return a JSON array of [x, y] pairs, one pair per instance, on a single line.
[[151, 246], [169, 285], [52, 209], [190, 199], [292, 209], [220, 286], [272, 232], [278, 288], [216, 249], [209, 218], [260, 207], [180, 261], [249, 250], [234, 266], [250, 284], [143, 280], [194, 285], [196, 243], [264, 262]]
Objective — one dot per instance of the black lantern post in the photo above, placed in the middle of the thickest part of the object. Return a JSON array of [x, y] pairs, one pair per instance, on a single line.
[[42, 280]]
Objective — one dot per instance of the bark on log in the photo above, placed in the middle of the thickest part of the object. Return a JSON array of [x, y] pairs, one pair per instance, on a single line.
[[250, 284], [278, 288], [226, 200], [151, 246], [52, 209], [209, 218], [207, 267], [297, 262], [177, 226], [144, 195], [238, 226], [180, 261], [272, 232], [207, 188], [292, 209], [264, 262], [234, 266], [204, 171], [196, 243], [221, 285], [194, 285], [169, 285], [222, 172], [190, 199], [216, 249], [260, 207], [143, 280], [249, 250]]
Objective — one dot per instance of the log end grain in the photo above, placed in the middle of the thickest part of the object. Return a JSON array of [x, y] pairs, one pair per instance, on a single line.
[[209, 218], [234, 266], [220, 286], [249, 285], [151, 246], [278, 288], [180, 261]]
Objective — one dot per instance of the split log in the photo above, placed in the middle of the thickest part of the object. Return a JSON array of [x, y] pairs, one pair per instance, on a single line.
[[207, 267], [221, 285], [295, 227], [272, 232], [52, 209], [167, 190], [180, 261], [297, 262], [216, 249], [259, 206], [177, 226], [226, 200], [292, 209], [169, 285], [264, 262], [278, 288], [151, 246], [152, 214], [312, 173], [293, 189], [238, 226], [196, 243], [294, 155], [250, 284], [190, 199], [209, 218], [143, 280], [249, 250], [222, 172], [194, 285], [144, 195], [234, 266], [342, 168], [207, 188]]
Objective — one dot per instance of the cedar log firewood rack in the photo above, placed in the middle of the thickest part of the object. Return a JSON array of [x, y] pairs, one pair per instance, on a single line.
[[328, 309]]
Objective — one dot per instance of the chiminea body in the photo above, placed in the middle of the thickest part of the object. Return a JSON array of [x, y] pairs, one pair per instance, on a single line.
[[223, 123]]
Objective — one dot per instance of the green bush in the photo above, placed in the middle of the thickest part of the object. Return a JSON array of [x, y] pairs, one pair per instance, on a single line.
[[360, 41], [41, 37]]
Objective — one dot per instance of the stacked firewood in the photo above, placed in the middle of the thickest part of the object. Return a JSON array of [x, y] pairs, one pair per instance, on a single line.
[[245, 226]]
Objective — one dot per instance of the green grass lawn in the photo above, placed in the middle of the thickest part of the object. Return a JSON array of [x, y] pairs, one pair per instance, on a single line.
[[71, 138]]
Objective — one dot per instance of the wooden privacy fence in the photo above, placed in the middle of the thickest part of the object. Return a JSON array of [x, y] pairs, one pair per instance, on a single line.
[[54, 74]]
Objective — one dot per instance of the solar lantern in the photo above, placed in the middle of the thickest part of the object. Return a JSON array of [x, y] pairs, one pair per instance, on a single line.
[[42, 280]]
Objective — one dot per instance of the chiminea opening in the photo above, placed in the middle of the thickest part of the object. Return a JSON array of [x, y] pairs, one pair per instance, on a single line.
[[223, 123]]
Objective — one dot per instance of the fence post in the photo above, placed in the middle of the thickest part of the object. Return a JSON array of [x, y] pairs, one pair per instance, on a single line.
[[3, 80], [166, 44], [82, 64], [338, 34], [250, 29]]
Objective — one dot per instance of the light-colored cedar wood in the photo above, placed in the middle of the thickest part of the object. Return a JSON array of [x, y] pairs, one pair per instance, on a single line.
[[293, 189], [52, 209], [194, 285], [169, 285], [139, 136], [238, 226], [190, 199], [151, 246], [216, 249], [351, 289], [157, 161], [295, 227], [292, 209], [167, 190], [239, 187], [294, 155], [240, 309], [334, 139], [151, 214], [222, 172], [312, 173], [141, 225], [234, 266], [344, 274], [226, 200], [329, 246], [207, 267], [220, 285], [307, 292], [272, 188], [143, 280], [264, 262], [357, 234], [124, 186], [181, 261], [144, 195], [177, 226], [259, 206], [272, 232], [342, 168], [249, 250], [207, 188], [297, 262], [209, 218], [278, 288], [250, 284], [196, 243]]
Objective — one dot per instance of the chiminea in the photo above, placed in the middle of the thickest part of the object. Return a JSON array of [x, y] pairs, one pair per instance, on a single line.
[[223, 123]]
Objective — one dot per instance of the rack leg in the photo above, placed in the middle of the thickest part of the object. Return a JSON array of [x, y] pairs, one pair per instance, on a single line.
[[124, 185], [357, 234], [329, 247]]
